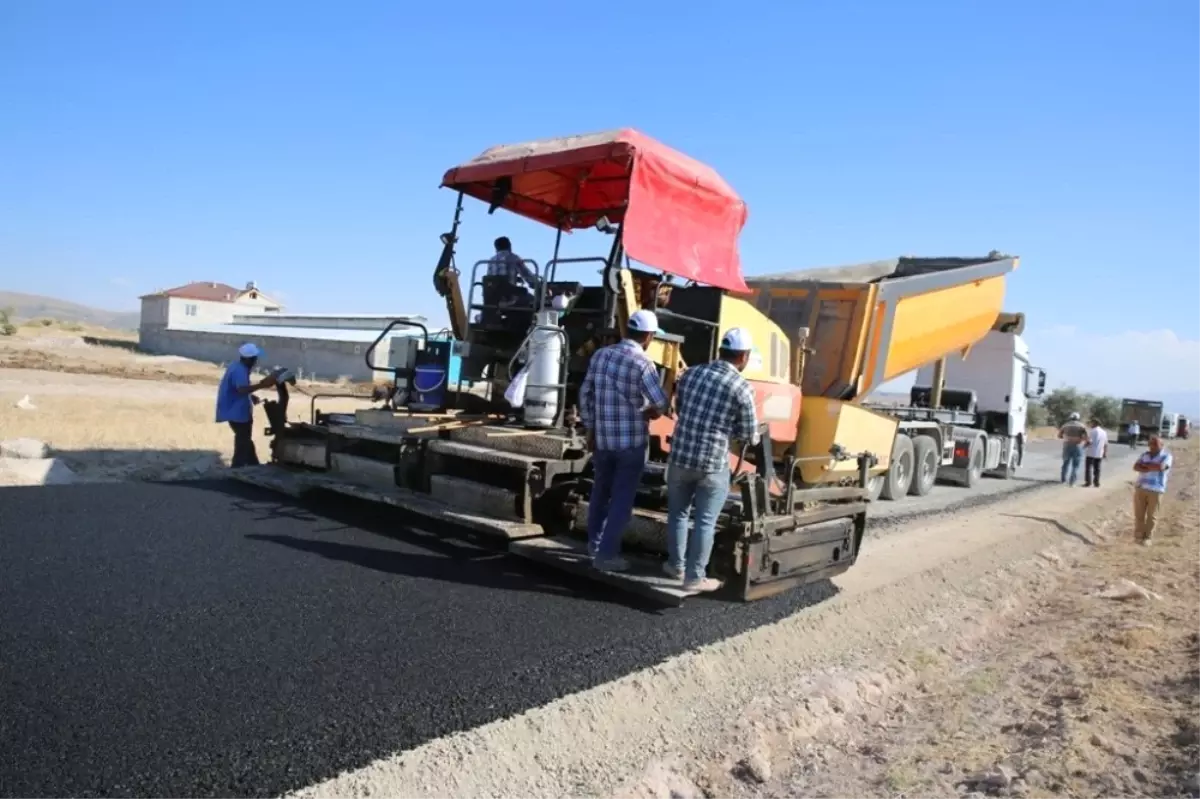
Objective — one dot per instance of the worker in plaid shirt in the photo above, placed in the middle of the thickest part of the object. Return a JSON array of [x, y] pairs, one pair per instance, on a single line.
[[716, 408], [613, 399]]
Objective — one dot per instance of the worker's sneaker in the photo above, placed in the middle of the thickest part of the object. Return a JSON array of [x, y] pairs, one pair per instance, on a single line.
[[610, 564], [708, 584], [672, 572], [1145, 542]]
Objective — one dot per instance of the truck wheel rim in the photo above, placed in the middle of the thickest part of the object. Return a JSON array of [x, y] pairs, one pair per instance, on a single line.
[[928, 467]]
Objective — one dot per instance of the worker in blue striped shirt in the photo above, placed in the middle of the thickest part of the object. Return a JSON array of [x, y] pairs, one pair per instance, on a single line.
[[619, 395], [1153, 468], [716, 407]]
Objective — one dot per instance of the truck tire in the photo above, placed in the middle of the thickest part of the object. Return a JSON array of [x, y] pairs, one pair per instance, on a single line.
[[874, 487], [900, 469], [974, 470], [926, 460]]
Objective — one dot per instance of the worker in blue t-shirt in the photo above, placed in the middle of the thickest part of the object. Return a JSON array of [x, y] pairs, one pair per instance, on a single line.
[[234, 403]]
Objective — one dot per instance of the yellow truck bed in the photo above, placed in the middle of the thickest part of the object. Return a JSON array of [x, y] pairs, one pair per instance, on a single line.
[[870, 323]]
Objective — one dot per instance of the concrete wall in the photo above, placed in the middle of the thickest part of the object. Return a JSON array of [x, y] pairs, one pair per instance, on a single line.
[[155, 312], [349, 322], [313, 358]]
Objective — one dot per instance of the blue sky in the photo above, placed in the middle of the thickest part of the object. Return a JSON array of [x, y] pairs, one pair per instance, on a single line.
[[146, 144]]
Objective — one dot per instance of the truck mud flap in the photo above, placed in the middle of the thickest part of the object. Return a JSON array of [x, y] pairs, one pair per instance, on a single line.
[[818, 547]]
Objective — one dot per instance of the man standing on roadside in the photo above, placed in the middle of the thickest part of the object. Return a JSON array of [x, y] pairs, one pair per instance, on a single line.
[[716, 408], [1152, 468], [1097, 451], [234, 404], [1135, 430], [1075, 438], [620, 381]]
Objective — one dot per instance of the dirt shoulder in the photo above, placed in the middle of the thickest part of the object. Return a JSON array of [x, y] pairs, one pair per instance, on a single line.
[[826, 701], [1081, 694]]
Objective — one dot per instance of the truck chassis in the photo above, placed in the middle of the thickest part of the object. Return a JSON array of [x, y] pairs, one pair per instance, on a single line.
[[945, 444]]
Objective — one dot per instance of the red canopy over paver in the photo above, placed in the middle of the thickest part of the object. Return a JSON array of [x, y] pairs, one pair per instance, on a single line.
[[676, 214]]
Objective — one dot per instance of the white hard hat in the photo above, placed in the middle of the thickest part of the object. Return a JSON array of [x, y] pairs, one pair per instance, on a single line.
[[249, 350], [643, 322], [1074, 417], [737, 339]]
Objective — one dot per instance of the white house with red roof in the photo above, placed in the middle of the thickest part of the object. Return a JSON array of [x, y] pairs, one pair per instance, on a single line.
[[208, 321], [202, 303]]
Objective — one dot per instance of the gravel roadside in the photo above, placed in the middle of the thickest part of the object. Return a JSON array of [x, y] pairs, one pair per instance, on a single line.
[[1092, 690], [731, 714]]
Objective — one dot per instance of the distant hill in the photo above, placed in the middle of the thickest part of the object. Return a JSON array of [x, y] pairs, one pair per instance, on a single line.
[[34, 306]]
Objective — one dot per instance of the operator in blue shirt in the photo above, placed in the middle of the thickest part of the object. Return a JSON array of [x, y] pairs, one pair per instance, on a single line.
[[235, 403]]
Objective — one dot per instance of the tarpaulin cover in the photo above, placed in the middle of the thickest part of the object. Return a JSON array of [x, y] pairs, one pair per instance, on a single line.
[[874, 271], [676, 214]]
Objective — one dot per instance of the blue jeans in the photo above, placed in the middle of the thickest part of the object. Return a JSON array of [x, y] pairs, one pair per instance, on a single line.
[[706, 491], [618, 472], [1072, 457]]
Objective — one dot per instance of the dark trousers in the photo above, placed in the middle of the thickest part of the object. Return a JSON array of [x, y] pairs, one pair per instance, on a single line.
[[244, 453], [614, 489], [1091, 472]]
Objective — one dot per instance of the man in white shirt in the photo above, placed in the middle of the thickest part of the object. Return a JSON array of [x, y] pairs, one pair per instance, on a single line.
[[1097, 450]]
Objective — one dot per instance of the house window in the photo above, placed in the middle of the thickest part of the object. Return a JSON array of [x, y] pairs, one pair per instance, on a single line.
[[189, 310]]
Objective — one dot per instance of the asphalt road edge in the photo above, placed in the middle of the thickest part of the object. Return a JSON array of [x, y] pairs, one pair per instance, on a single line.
[[572, 746]]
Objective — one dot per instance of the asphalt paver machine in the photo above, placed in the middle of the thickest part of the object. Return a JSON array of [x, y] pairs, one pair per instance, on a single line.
[[461, 457]]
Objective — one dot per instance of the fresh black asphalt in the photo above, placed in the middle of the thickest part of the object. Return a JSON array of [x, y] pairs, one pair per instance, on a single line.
[[209, 638]]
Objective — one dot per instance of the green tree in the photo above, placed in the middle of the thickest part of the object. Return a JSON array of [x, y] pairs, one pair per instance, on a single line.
[[1036, 415], [1062, 402], [1106, 411], [7, 328]]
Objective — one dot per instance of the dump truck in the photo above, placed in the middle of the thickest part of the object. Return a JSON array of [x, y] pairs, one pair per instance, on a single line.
[[966, 415], [1147, 413], [464, 460]]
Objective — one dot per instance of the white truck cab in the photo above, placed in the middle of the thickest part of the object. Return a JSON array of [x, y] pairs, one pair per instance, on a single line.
[[999, 372], [978, 428]]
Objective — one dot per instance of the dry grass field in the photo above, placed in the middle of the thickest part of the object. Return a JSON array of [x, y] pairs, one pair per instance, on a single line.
[[110, 412]]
